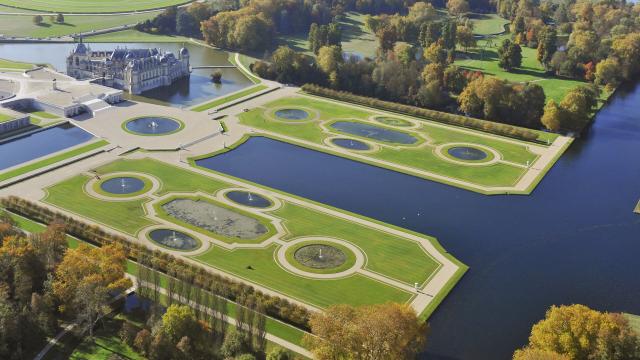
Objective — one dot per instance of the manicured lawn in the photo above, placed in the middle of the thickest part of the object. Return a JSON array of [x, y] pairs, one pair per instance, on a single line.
[[634, 321], [43, 114], [530, 71], [13, 65], [125, 216], [5, 117], [393, 256], [83, 6], [258, 266], [232, 97], [418, 156], [52, 160], [487, 24], [22, 25], [134, 36]]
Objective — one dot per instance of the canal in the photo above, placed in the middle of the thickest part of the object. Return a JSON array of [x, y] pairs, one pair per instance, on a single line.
[[575, 239]]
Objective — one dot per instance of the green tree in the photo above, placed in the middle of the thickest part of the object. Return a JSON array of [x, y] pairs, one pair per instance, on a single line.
[[38, 19], [553, 117], [608, 72], [187, 25], [547, 46], [465, 37], [60, 18], [429, 33], [278, 353], [537, 354], [457, 7], [329, 58], [510, 55], [180, 321]]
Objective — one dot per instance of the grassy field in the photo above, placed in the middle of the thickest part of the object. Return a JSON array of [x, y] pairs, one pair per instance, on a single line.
[[393, 256], [634, 321], [22, 25], [105, 343], [5, 117], [134, 36], [486, 61], [82, 6], [508, 171], [229, 98], [356, 39], [52, 160], [14, 65], [488, 24]]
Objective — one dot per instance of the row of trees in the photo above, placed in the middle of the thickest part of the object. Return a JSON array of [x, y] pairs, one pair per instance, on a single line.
[[41, 282], [180, 21], [219, 285], [577, 332]]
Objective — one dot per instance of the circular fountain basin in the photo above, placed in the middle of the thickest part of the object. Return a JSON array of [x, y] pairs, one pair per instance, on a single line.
[[467, 153], [292, 114], [351, 144], [393, 121], [248, 199], [122, 185], [152, 125], [320, 256], [173, 239]]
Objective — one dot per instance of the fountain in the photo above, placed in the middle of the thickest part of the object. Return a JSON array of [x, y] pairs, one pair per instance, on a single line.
[[152, 125], [467, 153], [122, 185], [248, 199], [320, 254], [350, 144], [173, 239]]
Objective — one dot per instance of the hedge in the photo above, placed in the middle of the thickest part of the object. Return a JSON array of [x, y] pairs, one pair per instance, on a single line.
[[451, 119]]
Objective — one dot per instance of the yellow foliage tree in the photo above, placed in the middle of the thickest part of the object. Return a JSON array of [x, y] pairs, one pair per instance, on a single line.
[[387, 331]]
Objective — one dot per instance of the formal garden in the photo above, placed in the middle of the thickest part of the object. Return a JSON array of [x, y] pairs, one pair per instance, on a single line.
[[449, 154], [80, 6], [301, 250]]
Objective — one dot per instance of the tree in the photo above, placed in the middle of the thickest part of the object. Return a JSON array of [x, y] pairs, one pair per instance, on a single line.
[[252, 33], [579, 332], [60, 18], [180, 321], [387, 37], [449, 34], [278, 353], [436, 53], [457, 7], [385, 331], [547, 46], [627, 50], [187, 25], [199, 11], [429, 33], [233, 344], [329, 58], [38, 19], [553, 115], [510, 55], [465, 37], [404, 52], [537, 354], [89, 268], [608, 72]]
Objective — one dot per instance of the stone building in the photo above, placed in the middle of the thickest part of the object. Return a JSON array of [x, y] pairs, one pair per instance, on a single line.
[[133, 70]]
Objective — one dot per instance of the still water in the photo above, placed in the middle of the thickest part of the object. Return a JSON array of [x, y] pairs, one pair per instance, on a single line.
[[185, 92], [574, 240]]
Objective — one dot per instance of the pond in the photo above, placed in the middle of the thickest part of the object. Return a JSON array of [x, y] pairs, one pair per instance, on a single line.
[[292, 114], [186, 92], [122, 185], [467, 153], [41, 143], [152, 125], [248, 199], [374, 132], [351, 144], [173, 239], [575, 239], [216, 219]]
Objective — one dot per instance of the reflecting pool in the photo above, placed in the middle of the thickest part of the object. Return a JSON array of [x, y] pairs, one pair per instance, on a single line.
[[374, 132]]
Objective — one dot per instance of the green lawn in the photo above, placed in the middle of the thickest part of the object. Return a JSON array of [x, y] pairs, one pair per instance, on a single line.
[[356, 39], [105, 343], [52, 160], [229, 98], [530, 71], [14, 65], [43, 114], [22, 25], [134, 36], [634, 321], [418, 157], [83, 6], [5, 117], [390, 255], [487, 24]]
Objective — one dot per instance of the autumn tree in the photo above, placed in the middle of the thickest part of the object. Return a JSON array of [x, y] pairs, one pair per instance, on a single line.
[[465, 37], [552, 118], [510, 55], [385, 331], [627, 50], [578, 332], [86, 277], [537, 354], [458, 7], [608, 72]]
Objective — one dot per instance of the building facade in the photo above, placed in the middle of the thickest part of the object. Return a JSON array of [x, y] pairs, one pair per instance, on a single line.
[[133, 70]]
